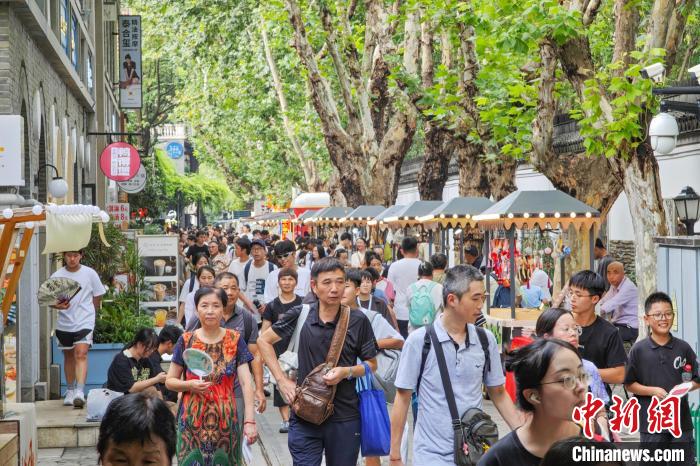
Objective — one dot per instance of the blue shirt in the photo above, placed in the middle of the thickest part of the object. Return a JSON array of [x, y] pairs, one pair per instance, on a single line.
[[531, 296], [433, 436]]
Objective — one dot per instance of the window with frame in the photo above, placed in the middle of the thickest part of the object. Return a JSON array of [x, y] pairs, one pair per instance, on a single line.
[[75, 41], [89, 74], [63, 13]]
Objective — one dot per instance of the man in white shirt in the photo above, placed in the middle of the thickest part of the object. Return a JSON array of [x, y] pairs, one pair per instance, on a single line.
[[402, 274], [285, 252], [76, 323], [242, 252], [255, 276]]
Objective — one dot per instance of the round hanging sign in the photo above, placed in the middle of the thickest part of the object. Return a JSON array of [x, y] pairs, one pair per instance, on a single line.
[[136, 184], [120, 161], [175, 150]]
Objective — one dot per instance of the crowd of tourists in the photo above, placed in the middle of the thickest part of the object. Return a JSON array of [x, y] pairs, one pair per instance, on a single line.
[[312, 322]]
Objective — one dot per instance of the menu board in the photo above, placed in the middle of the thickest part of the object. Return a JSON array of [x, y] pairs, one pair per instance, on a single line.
[[159, 293]]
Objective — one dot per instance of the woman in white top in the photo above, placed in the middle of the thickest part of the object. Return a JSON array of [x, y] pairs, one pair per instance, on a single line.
[[205, 277], [358, 257], [191, 284]]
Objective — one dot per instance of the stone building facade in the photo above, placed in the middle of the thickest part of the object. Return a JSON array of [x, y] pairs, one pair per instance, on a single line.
[[57, 64]]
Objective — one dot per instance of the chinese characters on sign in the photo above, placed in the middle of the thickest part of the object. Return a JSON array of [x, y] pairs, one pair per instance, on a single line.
[[121, 161], [131, 72], [118, 212], [663, 415]]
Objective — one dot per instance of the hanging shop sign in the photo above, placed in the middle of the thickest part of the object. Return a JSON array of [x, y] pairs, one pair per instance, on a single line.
[[175, 150], [136, 184], [120, 161], [130, 70]]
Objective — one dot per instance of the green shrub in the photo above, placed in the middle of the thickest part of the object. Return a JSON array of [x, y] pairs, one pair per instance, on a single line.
[[119, 319]]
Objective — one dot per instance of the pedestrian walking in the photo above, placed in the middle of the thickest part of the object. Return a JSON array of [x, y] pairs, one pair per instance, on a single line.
[[656, 365], [75, 324], [235, 317], [205, 277], [402, 274], [551, 382], [287, 279], [600, 341], [208, 426], [424, 298], [284, 252], [255, 275], [338, 436], [471, 359]]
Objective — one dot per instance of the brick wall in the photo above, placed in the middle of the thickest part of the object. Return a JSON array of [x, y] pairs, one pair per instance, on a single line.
[[623, 251], [24, 70]]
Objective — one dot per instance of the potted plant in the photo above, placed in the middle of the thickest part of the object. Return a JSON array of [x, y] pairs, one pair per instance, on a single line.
[[119, 317]]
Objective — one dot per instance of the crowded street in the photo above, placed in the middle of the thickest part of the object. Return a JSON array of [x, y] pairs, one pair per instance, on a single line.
[[341, 232]]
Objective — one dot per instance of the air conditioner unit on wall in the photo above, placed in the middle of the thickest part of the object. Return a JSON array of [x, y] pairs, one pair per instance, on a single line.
[[11, 150]]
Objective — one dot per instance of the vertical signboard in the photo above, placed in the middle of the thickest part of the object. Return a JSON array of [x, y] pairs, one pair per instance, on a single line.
[[130, 72], [11, 150], [160, 290]]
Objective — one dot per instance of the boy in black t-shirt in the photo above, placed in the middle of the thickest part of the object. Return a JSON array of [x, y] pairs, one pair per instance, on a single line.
[[287, 299], [599, 340], [657, 364]]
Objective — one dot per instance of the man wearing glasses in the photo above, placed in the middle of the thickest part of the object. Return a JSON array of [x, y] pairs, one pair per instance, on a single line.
[[285, 253], [600, 341]]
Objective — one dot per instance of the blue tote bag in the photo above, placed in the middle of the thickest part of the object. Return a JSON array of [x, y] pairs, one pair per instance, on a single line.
[[375, 433]]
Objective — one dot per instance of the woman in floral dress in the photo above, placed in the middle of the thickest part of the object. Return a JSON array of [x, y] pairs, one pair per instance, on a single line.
[[207, 421]]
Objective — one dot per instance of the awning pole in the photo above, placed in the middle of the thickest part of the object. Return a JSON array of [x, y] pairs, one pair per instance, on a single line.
[[487, 244], [513, 284]]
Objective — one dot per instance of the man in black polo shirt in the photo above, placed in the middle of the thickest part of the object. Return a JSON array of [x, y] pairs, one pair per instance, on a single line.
[[339, 436], [657, 364], [600, 341]]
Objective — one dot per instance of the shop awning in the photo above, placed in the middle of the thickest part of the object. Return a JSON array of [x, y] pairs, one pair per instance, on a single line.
[[312, 219], [530, 209], [332, 215], [410, 215], [306, 215], [456, 212], [272, 218], [362, 214], [388, 212], [311, 200]]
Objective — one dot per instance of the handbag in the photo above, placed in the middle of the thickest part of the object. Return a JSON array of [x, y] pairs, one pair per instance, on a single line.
[[314, 398], [375, 428], [289, 360], [474, 432], [387, 367]]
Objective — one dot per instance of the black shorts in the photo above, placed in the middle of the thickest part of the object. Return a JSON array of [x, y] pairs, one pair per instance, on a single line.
[[67, 340], [277, 398]]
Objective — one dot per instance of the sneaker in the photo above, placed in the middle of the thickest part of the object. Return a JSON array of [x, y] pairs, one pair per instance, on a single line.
[[79, 399], [68, 400], [284, 427]]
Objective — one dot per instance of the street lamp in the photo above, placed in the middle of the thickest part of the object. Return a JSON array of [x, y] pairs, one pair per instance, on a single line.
[[688, 208], [58, 188]]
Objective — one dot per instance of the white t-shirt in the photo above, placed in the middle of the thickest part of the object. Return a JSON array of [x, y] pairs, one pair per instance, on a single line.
[[356, 259], [435, 293], [255, 286], [81, 313], [186, 288], [381, 328], [190, 308], [236, 268], [402, 274], [303, 287]]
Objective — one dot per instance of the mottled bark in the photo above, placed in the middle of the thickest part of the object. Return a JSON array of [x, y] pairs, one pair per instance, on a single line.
[[438, 154], [312, 179], [368, 144]]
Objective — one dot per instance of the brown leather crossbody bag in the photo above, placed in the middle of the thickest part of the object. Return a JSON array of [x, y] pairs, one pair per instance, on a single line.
[[314, 398]]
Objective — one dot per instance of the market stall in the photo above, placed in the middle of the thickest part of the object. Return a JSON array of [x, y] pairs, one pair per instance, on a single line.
[[508, 221], [278, 223], [456, 214], [330, 219], [298, 222], [408, 219], [360, 216]]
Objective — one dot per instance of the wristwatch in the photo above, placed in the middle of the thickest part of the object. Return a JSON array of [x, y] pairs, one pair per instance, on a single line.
[[349, 377]]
